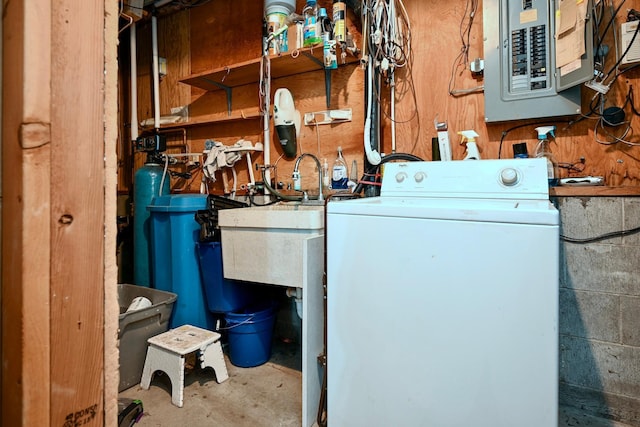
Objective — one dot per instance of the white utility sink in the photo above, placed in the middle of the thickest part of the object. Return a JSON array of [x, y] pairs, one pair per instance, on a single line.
[[273, 244], [283, 244]]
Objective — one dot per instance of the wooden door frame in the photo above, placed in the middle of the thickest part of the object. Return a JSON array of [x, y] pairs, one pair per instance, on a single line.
[[59, 295]]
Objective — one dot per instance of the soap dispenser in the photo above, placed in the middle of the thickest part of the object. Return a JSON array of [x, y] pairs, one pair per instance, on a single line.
[[339, 176]]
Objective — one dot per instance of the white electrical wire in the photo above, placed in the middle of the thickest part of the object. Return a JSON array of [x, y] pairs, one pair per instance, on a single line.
[[164, 174], [387, 47]]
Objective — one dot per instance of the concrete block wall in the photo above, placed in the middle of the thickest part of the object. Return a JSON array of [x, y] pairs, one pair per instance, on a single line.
[[600, 307]]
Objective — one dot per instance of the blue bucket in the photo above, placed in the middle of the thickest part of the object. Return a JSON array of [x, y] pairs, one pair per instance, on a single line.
[[249, 333], [223, 295]]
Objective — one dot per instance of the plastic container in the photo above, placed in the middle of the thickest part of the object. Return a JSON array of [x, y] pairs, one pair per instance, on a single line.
[[223, 295], [311, 24], [543, 150], [136, 327], [249, 334], [174, 259], [339, 176], [276, 13], [285, 7]]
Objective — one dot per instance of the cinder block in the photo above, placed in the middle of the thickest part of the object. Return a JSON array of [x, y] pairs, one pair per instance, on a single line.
[[602, 404], [611, 368], [605, 268], [630, 321], [584, 217], [631, 219], [578, 365], [590, 315]]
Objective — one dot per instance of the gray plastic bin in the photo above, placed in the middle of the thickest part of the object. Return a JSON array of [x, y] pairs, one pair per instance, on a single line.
[[136, 327]]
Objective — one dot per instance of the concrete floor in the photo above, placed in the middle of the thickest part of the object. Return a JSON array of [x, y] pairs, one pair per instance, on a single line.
[[269, 395]]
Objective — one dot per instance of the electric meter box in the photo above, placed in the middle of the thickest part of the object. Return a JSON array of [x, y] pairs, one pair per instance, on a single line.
[[521, 80]]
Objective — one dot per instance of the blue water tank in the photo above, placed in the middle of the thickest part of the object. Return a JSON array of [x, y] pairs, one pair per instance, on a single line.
[[146, 186], [174, 258]]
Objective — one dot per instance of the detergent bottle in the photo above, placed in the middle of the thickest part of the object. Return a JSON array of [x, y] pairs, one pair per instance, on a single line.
[[543, 150], [339, 176], [469, 138]]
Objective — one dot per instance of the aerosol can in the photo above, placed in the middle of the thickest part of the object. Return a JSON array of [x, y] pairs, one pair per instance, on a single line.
[[469, 138], [543, 150]]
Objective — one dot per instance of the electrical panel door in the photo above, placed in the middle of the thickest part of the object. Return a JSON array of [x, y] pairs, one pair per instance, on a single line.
[[521, 78]]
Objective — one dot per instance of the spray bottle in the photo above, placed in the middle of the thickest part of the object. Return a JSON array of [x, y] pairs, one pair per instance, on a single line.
[[469, 138], [543, 150]]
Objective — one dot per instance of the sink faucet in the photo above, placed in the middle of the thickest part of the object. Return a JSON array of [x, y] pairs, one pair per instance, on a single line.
[[296, 174]]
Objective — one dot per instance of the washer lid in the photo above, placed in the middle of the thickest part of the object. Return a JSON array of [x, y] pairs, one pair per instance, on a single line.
[[540, 212]]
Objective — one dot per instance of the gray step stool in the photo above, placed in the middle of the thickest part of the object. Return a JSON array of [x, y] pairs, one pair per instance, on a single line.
[[167, 352]]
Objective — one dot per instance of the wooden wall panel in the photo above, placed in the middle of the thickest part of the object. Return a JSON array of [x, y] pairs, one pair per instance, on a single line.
[[224, 32], [111, 307], [26, 166], [173, 45], [307, 89], [436, 43], [77, 213]]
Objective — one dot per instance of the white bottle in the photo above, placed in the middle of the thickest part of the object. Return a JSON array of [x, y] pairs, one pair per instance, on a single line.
[[339, 176], [543, 150]]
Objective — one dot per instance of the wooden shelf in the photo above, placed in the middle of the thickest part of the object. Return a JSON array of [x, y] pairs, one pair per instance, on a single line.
[[296, 62], [594, 191], [237, 117]]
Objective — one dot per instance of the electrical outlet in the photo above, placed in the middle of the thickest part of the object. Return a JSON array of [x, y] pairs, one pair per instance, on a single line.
[[628, 29], [162, 67]]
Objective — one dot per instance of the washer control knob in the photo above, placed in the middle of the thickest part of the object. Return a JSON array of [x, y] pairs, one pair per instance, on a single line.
[[419, 176], [401, 176], [509, 176]]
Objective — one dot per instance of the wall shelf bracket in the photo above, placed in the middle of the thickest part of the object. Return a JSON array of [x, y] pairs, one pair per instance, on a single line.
[[227, 89]]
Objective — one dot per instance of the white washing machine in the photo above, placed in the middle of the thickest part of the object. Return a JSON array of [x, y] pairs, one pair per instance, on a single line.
[[443, 298]]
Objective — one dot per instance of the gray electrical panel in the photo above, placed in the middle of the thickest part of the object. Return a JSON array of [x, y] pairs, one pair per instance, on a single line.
[[521, 80]]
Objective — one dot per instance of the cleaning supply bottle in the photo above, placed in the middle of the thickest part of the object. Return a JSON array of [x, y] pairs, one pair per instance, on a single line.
[[469, 138], [543, 150], [339, 176], [311, 24], [339, 19], [329, 43], [326, 178]]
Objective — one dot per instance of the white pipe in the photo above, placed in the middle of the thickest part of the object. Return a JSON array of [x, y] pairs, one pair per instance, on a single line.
[[183, 155], [156, 75], [134, 82], [252, 180], [393, 112], [296, 293]]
